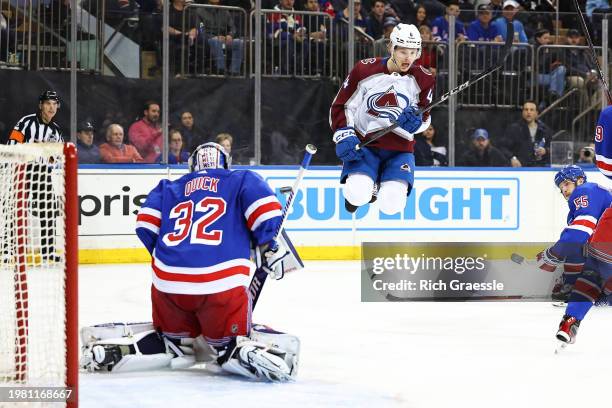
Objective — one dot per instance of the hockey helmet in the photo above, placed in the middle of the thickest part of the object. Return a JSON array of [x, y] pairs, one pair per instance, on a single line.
[[49, 96], [209, 156], [571, 172], [407, 36]]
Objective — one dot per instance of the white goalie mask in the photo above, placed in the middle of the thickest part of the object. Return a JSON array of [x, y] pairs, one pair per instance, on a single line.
[[209, 156], [406, 36]]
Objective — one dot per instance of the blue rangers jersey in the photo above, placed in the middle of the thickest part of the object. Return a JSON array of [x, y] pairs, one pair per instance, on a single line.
[[199, 229], [586, 205], [603, 142]]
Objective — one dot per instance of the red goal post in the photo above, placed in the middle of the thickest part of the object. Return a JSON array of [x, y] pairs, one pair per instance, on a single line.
[[38, 267]]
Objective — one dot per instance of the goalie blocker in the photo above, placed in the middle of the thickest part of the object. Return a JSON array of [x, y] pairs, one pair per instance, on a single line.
[[118, 347]]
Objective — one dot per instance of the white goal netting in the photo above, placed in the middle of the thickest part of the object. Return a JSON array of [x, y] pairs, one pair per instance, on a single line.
[[32, 265]]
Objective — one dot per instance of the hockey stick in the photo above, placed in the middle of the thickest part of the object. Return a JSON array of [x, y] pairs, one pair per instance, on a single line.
[[260, 276], [587, 36], [471, 81]]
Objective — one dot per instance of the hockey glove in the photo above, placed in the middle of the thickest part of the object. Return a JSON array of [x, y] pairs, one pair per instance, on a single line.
[[547, 261], [272, 261], [346, 140], [410, 119]]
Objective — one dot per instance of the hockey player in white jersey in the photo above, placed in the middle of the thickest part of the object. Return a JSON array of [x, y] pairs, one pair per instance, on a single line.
[[377, 92]]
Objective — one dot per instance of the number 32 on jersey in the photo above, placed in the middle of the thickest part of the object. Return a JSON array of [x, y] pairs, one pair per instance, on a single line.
[[197, 232]]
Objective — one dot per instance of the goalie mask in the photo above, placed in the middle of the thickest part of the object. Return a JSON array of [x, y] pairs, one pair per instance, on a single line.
[[406, 36], [209, 156]]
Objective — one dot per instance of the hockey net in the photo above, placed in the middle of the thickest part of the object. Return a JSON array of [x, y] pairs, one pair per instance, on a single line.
[[38, 265]]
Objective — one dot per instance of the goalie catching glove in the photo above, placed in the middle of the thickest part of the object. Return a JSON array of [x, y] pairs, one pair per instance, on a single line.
[[548, 261]]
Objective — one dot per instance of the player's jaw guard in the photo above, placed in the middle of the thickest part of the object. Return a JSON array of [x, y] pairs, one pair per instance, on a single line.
[[209, 156]]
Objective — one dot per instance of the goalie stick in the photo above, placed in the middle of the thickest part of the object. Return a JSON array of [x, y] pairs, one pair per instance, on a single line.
[[471, 81], [587, 36], [260, 276]]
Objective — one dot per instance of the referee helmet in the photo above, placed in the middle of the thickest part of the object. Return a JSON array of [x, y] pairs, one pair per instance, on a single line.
[[49, 96]]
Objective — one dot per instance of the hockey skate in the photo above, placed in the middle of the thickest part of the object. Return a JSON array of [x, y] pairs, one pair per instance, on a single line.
[[567, 331]]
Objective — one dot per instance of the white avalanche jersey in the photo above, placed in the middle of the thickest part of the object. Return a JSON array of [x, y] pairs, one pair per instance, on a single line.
[[371, 97]]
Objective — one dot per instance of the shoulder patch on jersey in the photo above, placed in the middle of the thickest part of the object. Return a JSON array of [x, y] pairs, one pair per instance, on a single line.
[[425, 70], [368, 61]]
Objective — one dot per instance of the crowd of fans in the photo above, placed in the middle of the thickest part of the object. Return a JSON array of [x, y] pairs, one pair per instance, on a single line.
[[144, 141], [219, 33], [526, 142]]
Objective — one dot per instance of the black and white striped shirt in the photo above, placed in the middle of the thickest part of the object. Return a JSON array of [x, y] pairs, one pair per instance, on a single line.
[[31, 129]]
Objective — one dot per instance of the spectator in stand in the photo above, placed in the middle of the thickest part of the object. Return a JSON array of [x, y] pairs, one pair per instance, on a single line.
[[188, 131], [146, 133], [375, 20], [482, 153], [360, 22], [381, 48], [115, 151], [317, 28], [439, 27], [286, 34], [551, 71], [510, 8], [426, 153], [225, 140], [420, 17], [88, 151], [220, 32], [481, 29], [429, 52], [175, 30], [327, 7], [595, 9], [527, 142], [434, 8], [496, 8], [176, 154], [580, 68]]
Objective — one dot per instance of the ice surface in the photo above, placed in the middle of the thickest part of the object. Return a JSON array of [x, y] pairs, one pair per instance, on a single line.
[[357, 354]]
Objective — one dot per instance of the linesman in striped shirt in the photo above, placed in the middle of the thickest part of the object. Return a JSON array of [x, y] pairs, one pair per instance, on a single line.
[[40, 128]]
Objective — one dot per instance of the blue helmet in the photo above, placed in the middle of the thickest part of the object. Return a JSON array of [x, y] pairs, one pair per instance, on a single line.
[[571, 172]]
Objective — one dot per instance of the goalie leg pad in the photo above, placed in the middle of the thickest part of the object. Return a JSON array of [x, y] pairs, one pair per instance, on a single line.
[[285, 345], [254, 360], [113, 330], [148, 350]]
